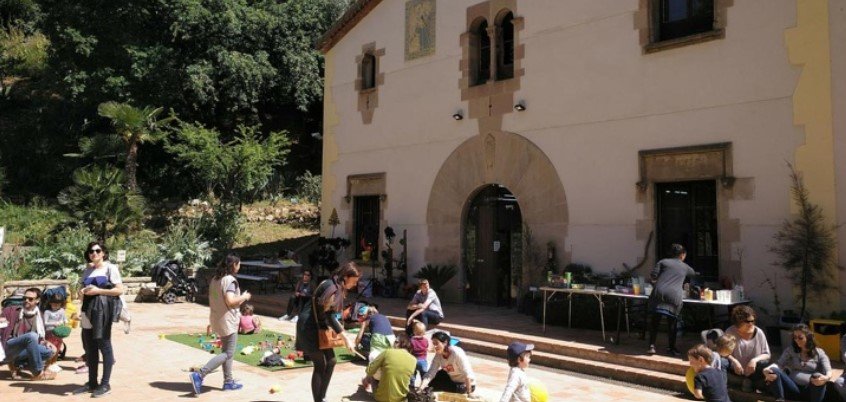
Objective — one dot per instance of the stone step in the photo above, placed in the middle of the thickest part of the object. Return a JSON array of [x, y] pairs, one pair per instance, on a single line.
[[667, 365]]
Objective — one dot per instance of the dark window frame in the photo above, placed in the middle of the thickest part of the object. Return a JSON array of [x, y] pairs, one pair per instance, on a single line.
[[505, 46], [698, 19], [366, 220], [482, 55], [368, 72]]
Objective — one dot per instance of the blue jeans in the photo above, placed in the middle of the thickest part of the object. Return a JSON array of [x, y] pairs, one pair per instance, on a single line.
[[422, 368], [93, 349], [784, 387], [27, 350]]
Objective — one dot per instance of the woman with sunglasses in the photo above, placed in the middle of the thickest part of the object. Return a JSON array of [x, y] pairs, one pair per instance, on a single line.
[[101, 290], [752, 350], [802, 370]]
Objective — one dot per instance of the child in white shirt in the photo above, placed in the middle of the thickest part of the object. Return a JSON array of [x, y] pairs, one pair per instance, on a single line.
[[517, 386]]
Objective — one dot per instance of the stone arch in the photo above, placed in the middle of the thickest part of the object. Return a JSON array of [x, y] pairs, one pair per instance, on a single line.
[[501, 158]]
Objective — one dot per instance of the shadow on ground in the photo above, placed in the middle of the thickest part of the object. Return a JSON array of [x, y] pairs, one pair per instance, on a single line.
[[183, 387], [45, 387]]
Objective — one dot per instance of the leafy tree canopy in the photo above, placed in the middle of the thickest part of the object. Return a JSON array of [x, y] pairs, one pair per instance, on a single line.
[[222, 62]]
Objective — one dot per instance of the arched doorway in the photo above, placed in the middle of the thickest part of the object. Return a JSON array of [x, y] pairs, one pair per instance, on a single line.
[[492, 245]]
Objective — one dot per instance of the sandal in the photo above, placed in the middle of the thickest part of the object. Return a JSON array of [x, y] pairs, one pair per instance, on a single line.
[[82, 369], [13, 371], [45, 375]]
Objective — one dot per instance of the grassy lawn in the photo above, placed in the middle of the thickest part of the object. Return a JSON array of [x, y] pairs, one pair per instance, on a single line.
[[265, 239], [198, 341]]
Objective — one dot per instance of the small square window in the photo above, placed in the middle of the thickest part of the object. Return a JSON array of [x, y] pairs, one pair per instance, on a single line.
[[680, 18]]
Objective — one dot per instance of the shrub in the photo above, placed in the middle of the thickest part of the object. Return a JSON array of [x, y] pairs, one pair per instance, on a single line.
[[182, 242], [99, 199], [22, 54], [141, 252], [221, 227], [437, 275], [29, 225], [60, 256], [309, 187]]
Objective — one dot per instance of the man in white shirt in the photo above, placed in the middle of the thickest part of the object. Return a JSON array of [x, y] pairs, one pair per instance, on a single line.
[[424, 307]]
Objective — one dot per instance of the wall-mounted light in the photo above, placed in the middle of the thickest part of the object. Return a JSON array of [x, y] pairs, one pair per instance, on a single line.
[[520, 106], [458, 115]]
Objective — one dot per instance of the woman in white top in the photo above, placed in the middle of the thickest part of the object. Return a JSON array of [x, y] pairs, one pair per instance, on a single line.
[[101, 289], [450, 370]]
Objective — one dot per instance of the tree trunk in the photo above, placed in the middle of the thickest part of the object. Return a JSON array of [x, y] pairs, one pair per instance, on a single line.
[[132, 164]]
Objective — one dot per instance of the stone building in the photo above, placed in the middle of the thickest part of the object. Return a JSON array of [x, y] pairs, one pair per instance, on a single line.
[[598, 132]]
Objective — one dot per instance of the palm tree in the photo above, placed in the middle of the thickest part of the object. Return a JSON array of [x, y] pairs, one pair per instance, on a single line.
[[135, 126]]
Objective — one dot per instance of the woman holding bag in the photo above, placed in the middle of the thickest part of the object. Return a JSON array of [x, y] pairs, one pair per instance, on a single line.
[[319, 328], [101, 305]]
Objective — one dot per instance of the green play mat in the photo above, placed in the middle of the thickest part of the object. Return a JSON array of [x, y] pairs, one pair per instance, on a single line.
[[201, 341]]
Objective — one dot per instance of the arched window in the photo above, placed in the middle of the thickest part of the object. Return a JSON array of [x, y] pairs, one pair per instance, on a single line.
[[481, 63], [505, 47], [368, 71]]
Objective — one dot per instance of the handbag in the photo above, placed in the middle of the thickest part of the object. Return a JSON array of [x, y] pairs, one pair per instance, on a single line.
[[326, 338]]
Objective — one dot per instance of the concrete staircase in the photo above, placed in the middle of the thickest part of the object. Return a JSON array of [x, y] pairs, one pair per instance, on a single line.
[[653, 371]]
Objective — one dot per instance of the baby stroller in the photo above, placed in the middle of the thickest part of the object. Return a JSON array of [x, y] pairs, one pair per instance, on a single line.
[[170, 276]]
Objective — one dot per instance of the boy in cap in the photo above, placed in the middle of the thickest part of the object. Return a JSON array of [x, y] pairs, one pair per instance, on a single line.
[[517, 386]]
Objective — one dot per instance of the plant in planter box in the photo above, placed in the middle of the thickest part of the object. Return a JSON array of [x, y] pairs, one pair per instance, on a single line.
[[437, 275], [805, 246], [325, 256]]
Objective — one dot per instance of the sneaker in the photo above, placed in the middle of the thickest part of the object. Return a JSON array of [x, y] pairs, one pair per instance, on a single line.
[[284, 318], [83, 389], [294, 320], [232, 386], [196, 382], [127, 326], [101, 390], [82, 369], [651, 350]]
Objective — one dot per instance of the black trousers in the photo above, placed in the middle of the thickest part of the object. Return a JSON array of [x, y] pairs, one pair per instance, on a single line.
[[324, 366], [671, 329], [443, 383]]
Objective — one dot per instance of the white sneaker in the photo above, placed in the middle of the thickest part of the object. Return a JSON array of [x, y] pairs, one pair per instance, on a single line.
[[284, 318], [294, 320]]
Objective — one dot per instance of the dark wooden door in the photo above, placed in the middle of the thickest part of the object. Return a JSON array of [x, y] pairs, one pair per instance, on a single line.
[[366, 210], [492, 221], [687, 215]]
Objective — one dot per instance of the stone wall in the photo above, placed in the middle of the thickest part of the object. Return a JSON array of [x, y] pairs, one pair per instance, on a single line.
[[138, 289]]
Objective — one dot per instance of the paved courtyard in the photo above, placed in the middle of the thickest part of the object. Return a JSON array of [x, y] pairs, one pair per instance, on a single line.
[[152, 369]]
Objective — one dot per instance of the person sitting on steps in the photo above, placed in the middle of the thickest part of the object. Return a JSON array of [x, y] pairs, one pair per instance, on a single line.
[[424, 307]]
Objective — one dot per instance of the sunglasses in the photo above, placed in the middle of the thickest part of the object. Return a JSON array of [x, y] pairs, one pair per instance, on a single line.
[[29, 299], [95, 251]]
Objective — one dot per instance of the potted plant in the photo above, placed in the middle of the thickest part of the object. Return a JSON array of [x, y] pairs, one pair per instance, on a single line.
[[805, 247], [437, 275]]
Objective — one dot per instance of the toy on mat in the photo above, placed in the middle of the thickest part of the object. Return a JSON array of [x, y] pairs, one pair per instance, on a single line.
[[275, 388]]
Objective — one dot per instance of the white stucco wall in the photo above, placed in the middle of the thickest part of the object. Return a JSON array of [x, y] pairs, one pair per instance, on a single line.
[[594, 100]]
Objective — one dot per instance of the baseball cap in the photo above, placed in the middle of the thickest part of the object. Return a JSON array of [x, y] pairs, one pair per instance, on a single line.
[[515, 349]]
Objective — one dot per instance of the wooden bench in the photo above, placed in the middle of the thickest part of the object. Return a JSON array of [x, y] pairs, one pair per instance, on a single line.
[[262, 281]]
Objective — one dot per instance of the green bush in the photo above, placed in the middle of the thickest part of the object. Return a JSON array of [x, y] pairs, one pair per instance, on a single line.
[[60, 256], [141, 252], [22, 54], [222, 227], [99, 199], [437, 275], [30, 225], [309, 187], [14, 265], [184, 243]]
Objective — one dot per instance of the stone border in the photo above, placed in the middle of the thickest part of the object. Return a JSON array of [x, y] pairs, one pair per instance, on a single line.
[[368, 99], [141, 287], [644, 21]]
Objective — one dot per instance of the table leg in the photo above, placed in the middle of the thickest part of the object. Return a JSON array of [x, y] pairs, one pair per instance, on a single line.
[[545, 301], [626, 307], [601, 315], [570, 311], [620, 301]]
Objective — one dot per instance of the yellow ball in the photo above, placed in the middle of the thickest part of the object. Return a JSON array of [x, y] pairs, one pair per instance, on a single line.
[[538, 391]]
